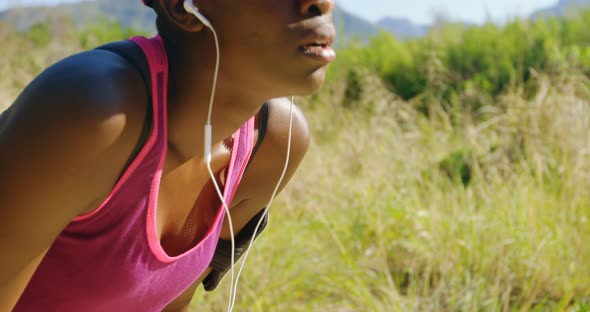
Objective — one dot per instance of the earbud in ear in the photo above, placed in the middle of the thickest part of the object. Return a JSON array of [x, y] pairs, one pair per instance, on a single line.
[[190, 8]]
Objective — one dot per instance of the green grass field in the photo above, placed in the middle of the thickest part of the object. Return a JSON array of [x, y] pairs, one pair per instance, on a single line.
[[373, 223], [469, 193]]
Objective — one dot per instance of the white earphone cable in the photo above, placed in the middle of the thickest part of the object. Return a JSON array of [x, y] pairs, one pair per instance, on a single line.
[[207, 155], [208, 134], [267, 208], [189, 7]]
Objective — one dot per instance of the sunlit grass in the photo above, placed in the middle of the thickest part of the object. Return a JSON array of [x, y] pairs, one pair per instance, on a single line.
[[371, 223]]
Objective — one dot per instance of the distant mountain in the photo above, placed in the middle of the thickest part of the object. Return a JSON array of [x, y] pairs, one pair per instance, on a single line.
[[130, 13], [352, 28], [561, 8], [403, 28]]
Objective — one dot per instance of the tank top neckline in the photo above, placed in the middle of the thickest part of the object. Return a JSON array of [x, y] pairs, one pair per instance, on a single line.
[[158, 63]]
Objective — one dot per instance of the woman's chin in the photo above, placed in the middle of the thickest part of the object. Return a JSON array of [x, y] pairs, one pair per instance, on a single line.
[[313, 82], [307, 84]]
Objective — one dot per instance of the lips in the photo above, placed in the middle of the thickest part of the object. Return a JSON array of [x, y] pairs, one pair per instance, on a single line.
[[322, 53], [318, 43]]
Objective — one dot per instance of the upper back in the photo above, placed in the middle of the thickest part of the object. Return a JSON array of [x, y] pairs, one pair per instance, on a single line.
[[72, 128]]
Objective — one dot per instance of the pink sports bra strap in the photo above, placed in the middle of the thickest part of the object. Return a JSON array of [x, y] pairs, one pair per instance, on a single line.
[[244, 143]]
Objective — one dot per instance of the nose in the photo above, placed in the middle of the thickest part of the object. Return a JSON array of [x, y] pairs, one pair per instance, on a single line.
[[316, 7]]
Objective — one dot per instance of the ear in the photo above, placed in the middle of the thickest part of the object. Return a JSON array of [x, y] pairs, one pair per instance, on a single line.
[[174, 12]]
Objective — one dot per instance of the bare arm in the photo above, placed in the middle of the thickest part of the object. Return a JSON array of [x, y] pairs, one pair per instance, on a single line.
[[262, 176], [63, 133]]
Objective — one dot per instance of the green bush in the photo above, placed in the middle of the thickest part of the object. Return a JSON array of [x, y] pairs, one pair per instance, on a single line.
[[490, 59], [40, 35]]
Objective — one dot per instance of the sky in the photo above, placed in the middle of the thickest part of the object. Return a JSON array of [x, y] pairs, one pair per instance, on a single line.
[[419, 11], [423, 11]]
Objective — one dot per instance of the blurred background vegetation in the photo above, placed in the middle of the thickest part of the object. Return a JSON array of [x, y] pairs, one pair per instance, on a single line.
[[447, 172]]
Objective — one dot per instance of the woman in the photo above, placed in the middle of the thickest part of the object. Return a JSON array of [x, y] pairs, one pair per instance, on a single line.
[[105, 200]]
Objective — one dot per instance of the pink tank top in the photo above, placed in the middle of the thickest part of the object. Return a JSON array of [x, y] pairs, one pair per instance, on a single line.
[[111, 259]]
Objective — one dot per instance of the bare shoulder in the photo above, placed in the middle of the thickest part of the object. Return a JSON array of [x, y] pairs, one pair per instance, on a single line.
[[92, 85], [85, 106], [267, 165], [62, 143], [278, 129]]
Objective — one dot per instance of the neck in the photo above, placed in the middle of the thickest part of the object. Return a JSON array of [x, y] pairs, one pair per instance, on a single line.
[[189, 93]]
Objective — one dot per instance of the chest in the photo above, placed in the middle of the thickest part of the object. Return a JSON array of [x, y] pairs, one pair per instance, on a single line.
[[188, 202]]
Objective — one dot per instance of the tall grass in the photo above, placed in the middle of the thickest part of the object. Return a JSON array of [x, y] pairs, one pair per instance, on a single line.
[[470, 192], [373, 223], [450, 173]]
